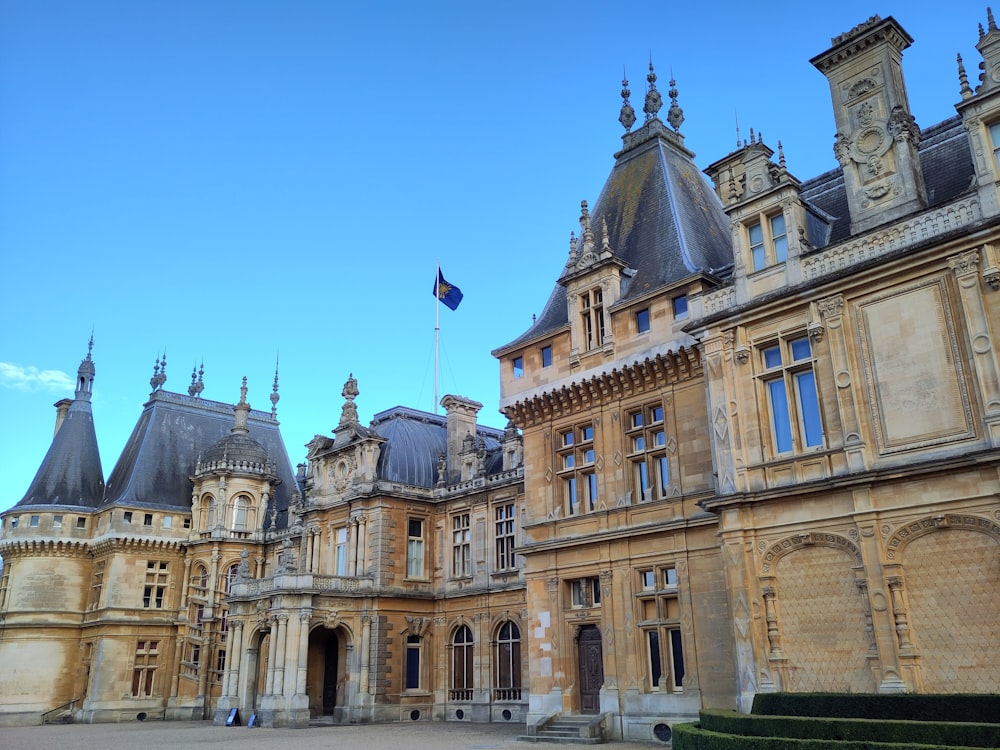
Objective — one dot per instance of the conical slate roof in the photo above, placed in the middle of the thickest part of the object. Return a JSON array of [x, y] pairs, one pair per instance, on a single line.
[[71, 474], [664, 221]]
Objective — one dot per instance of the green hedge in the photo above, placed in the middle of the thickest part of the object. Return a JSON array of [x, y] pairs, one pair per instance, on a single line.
[[982, 709], [693, 737], [919, 732]]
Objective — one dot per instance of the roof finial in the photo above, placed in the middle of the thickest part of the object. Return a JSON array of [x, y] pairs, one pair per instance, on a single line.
[[781, 157], [274, 391], [627, 115], [653, 99], [675, 115], [241, 410], [349, 411], [605, 241], [739, 143], [991, 24], [572, 247], [85, 373], [197, 384], [963, 80], [159, 373]]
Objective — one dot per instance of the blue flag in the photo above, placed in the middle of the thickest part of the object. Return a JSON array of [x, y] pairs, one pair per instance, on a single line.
[[450, 294]]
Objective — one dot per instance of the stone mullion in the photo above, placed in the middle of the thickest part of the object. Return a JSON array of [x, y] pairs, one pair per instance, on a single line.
[[720, 423], [966, 269]]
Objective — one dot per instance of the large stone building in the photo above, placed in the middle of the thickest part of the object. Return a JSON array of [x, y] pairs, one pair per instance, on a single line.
[[754, 446]]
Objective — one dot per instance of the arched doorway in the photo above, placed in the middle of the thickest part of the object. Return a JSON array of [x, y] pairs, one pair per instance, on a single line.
[[256, 674], [591, 660], [327, 671]]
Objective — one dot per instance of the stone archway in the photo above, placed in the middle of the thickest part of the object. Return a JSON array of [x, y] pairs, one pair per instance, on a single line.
[[327, 671]]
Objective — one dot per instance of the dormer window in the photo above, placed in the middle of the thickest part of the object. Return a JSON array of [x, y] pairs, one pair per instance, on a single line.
[[768, 242], [592, 310]]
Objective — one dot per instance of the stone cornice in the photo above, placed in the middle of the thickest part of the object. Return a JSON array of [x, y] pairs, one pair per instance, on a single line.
[[608, 385]]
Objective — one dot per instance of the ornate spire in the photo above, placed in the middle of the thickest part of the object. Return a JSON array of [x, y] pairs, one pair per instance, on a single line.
[[349, 411], [572, 248], [242, 411], [605, 241], [627, 115], [197, 382], [653, 99], [274, 391], [963, 80], [85, 374], [159, 373], [675, 115], [586, 234]]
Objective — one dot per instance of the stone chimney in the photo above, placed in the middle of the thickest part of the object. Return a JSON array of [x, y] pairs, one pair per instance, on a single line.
[[461, 414], [877, 138], [62, 406]]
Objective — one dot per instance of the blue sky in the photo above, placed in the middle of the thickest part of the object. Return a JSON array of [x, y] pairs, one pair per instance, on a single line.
[[230, 181]]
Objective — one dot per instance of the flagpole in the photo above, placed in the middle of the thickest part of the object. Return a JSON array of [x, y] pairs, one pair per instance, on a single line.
[[437, 329]]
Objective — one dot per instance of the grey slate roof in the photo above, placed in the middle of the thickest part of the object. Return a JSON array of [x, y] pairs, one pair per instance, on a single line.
[[173, 430], [414, 441], [664, 221], [70, 474]]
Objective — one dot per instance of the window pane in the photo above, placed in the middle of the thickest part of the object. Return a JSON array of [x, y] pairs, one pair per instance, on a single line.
[[772, 357], [659, 438], [663, 467], [642, 320], [677, 654], [779, 416], [591, 491], [587, 433], [569, 489], [636, 419], [567, 438], [638, 443], [680, 307], [655, 671], [757, 247], [656, 414], [812, 429], [546, 356], [518, 367], [800, 349], [778, 238]]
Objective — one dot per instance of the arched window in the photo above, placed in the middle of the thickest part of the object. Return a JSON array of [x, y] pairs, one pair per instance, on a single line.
[[200, 578], [230, 578], [241, 506], [461, 660], [508, 664], [207, 512]]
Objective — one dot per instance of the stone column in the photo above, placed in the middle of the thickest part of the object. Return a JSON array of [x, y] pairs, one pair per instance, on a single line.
[[832, 310], [185, 585], [965, 266], [352, 547], [362, 546], [366, 642], [271, 657], [279, 653], [303, 656]]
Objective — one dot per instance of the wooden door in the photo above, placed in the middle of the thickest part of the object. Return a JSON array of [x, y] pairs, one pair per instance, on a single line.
[[591, 659]]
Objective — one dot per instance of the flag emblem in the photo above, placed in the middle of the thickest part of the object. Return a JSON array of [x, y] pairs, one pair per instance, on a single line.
[[449, 294]]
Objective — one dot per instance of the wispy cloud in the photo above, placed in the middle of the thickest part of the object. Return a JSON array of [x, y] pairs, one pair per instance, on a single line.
[[22, 378]]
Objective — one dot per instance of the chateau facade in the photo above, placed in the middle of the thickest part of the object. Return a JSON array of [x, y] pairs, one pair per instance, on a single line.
[[754, 445]]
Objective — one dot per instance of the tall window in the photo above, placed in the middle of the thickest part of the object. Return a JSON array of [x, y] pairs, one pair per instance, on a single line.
[[156, 584], [5, 584], [461, 665], [208, 511], [96, 585], [461, 550], [505, 526], [546, 356], [144, 668], [576, 461], [790, 386], [518, 364], [768, 242], [660, 625], [647, 440], [340, 551], [200, 579], [642, 320], [241, 505], [508, 664], [680, 307], [413, 644], [592, 310], [415, 548]]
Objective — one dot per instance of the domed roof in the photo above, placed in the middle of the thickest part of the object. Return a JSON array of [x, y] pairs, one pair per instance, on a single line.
[[237, 448]]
